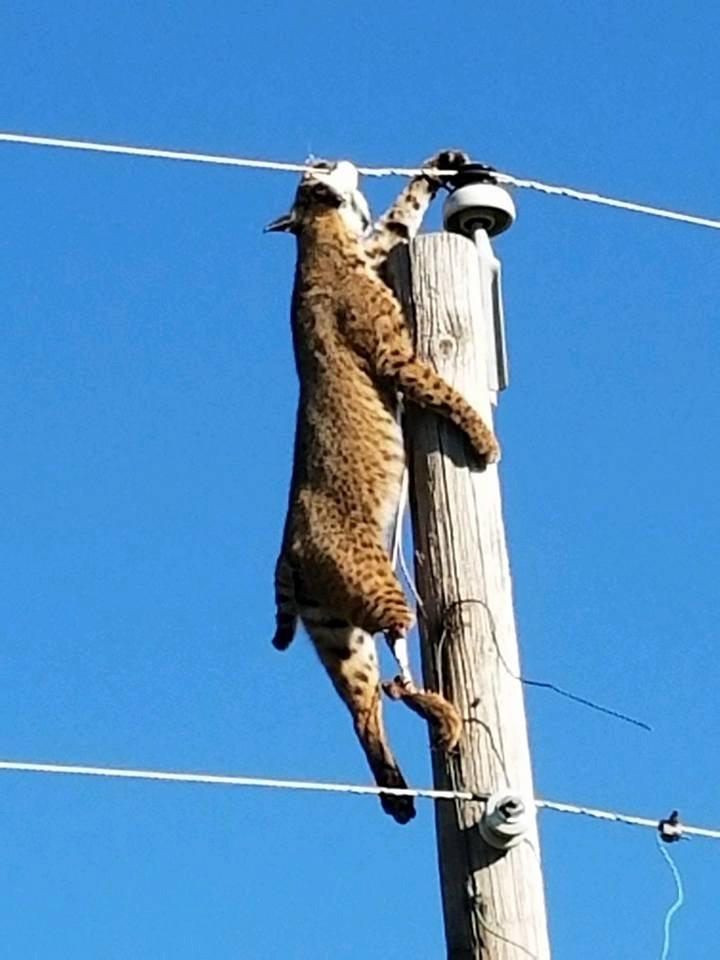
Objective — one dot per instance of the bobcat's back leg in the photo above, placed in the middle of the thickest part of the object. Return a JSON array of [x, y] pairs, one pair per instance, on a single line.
[[353, 576], [349, 656]]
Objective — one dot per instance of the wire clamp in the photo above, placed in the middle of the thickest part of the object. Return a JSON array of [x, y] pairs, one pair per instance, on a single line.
[[670, 829]]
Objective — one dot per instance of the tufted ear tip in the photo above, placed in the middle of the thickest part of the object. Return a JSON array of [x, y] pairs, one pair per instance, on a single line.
[[285, 223]]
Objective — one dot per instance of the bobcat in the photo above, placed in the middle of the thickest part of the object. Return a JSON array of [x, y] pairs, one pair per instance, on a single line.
[[354, 355]]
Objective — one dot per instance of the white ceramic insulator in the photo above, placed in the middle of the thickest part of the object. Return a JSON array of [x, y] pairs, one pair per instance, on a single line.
[[479, 205], [499, 829]]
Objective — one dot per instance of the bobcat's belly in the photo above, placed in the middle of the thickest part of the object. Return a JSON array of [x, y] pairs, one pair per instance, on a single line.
[[352, 445], [390, 465]]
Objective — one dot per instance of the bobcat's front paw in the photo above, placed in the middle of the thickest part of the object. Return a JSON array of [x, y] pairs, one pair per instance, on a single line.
[[446, 160]]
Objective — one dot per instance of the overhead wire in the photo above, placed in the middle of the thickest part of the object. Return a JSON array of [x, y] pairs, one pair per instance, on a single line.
[[242, 781], [17, 766], [278, 165]]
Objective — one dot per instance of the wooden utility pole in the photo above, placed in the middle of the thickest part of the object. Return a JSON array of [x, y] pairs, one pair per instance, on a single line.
[[493, 899]]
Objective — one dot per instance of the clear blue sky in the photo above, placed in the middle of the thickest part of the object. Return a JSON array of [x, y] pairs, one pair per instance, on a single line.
[[146, 414]]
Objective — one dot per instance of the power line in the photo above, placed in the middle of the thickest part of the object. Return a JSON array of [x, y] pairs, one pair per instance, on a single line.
[[13, 766], [278, 165], [630, 205], [152, 152], [228, 781], [618, 818]]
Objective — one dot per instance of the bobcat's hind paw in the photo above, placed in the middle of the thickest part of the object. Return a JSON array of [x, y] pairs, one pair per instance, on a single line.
[[443, 717]]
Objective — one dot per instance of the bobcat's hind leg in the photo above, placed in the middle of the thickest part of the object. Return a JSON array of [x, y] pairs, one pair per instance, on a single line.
[[354, 577], [349, 656]]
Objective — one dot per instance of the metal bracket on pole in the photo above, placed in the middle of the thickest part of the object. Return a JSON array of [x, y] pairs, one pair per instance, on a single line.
[[478, 208]]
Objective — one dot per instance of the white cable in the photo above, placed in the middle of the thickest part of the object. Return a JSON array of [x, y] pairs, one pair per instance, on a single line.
[[228, 781], [151, 152], [367, 171], [399, 518], [398, 554], [410, 579], [606, 201], [161, 154], [679, 899], [620, 818], [235, 781]]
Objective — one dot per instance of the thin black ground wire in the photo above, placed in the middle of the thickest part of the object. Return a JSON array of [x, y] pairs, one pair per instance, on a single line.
[[543, 684]]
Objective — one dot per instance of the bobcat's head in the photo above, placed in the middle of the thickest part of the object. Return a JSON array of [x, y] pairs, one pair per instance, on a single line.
[[328, 184]]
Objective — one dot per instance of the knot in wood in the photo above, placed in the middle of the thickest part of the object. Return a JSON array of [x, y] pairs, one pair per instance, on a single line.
[[445, 346]]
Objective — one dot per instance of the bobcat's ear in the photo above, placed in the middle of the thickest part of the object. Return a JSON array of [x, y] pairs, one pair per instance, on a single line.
[[285, 223]]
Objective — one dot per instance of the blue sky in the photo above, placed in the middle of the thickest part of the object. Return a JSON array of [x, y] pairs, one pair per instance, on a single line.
[[146, 415]]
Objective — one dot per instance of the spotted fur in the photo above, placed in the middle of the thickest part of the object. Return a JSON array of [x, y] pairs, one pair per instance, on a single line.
[[354, 356]]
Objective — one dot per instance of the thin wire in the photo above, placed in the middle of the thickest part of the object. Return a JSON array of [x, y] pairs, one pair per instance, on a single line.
[[679, 899], [544, 684], [399, 518], [499, 177], [398, 553], [409, 579], [229, 781], [585, 702], [606, 201], [500, 936], [312, 785], [621, 818], [152, 152]]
